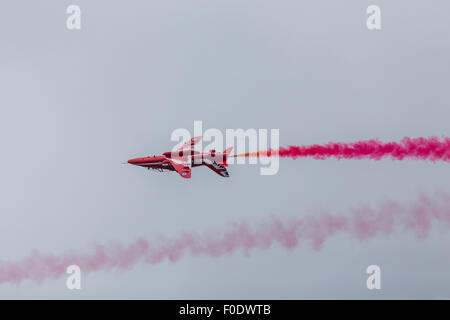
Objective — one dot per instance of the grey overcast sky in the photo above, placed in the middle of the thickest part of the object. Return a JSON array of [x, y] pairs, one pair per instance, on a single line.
[[74, 105]]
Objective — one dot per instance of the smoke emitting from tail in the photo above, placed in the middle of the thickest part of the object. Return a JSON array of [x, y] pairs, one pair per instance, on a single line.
[[433, 149], [362, 223]]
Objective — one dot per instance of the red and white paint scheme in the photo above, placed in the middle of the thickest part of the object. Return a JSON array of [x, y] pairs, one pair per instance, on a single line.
[[185, 158]]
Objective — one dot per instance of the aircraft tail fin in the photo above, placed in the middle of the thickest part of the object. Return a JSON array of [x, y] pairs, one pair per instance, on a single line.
[[226, 153]]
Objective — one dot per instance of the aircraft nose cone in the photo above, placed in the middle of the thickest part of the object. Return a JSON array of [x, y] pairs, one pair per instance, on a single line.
[[132, 161]]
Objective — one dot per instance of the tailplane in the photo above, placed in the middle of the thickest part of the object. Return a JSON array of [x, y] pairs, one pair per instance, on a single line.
[[226, 153]]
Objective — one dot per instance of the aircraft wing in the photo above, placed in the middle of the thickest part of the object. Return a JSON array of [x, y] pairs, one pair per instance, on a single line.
[[190, 144], [183, 171], [219, 169]]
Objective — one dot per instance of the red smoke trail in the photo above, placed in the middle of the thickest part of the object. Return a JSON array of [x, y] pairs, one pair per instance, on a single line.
[[362, 223], [433, 149]]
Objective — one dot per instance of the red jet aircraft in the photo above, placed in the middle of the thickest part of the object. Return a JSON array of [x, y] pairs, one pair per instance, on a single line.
[[185, 158]]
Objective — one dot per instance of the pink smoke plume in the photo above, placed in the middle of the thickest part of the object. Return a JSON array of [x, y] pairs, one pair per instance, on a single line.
[[433, 149], [363, 223]]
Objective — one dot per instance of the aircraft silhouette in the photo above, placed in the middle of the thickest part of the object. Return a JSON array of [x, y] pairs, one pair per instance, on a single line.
[[185, 158]]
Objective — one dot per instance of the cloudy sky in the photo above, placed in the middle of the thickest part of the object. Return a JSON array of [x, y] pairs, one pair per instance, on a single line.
[[76, 104]]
